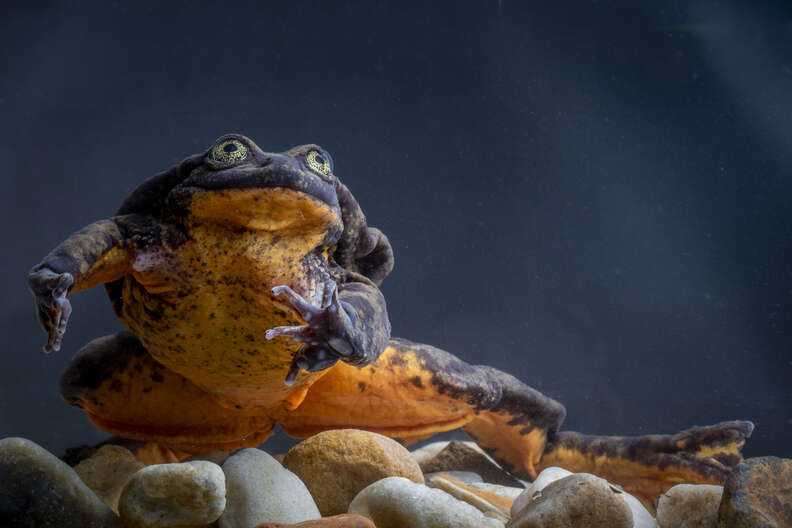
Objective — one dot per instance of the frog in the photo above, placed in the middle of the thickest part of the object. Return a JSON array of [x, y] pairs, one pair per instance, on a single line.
[[248, 283]]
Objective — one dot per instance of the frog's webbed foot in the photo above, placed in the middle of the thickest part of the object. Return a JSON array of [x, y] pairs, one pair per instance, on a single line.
[[50, 289], [326, 337]]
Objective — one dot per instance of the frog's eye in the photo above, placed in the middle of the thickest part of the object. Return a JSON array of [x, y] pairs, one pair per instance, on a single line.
[[229, 151], [318, 162]]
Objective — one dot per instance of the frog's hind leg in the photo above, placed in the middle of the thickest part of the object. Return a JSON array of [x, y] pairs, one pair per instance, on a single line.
[[644, 466], [127, 393], [647, 466], [414, 391]]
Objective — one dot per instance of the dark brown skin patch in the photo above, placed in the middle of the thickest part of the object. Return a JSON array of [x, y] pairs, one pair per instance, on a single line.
[[416, 380]]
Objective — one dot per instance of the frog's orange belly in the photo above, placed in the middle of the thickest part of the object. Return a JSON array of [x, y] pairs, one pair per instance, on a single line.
[[218, 342]]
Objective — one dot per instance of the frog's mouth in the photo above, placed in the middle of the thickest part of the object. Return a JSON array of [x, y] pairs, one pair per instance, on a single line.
[[264, 198], [268, 209]]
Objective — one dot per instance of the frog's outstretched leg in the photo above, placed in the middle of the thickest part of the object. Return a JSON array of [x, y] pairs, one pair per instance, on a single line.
[[647, 466], [126, 392], [412, 392], [101, 252]]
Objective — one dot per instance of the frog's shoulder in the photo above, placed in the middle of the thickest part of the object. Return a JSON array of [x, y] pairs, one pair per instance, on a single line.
[[149, 198], [149, 201], [361, 249]]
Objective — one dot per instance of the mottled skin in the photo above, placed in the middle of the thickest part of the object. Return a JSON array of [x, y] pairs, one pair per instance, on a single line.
[[248, 282]]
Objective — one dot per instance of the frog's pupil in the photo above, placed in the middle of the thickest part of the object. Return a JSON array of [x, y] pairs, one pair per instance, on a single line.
[[320, 160], [231, 147]]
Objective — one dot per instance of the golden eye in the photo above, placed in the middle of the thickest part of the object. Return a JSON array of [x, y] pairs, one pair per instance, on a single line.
[[318, 162], [229, 151]]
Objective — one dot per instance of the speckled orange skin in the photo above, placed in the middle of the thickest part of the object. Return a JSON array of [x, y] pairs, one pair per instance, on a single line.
[[190, 262], [202, 310]]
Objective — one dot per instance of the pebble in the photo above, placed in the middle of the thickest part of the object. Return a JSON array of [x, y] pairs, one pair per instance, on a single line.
[[577, 501], [503, 491], [488, 503], [466, 456], [396, 502], [107, 471], [344, 520], [641, 516], [689, 506], [758, 494], [335, 465], [260, 490], [424, 453], [180, 495], [467, 477], [38, 490], [548, 475]]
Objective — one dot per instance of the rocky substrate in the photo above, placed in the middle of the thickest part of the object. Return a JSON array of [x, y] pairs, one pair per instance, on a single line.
[[356, 479]]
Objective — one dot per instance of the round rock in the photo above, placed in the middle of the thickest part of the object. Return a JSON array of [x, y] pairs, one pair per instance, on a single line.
[[261, 490], [107, 471], [548, 475], [396, 502], [37, 490], [577, 501], [689, 506], [186, 495], [336, 465], [336, 521]]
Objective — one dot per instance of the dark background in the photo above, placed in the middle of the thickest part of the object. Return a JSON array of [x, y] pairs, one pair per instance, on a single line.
[[593, 196]]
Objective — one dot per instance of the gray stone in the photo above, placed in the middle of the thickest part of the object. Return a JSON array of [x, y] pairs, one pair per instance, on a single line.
[[37, 490], [689, 506], [396, 502], [185, 495], [577, 501], [548, 475], [641, 516], [260, 489]]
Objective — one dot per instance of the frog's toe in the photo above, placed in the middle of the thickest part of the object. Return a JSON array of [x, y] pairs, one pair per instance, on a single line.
[[307, 310], [301, 333]]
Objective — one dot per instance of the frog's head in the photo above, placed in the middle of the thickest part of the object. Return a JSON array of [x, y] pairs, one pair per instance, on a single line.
[[236, 183]]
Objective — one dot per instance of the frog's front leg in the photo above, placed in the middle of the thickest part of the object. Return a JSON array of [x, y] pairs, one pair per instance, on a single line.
[[351, 325], [95, 254]]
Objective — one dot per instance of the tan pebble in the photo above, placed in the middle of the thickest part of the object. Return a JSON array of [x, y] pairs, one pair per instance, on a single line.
[[504, 491], [576, 501], [336, 521], [689, 506], [186, 495], [107, 471], [548, 475], [336, 465], [491, 504]]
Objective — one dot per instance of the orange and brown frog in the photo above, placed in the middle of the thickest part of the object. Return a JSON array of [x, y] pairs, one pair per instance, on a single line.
[[248, 282]]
